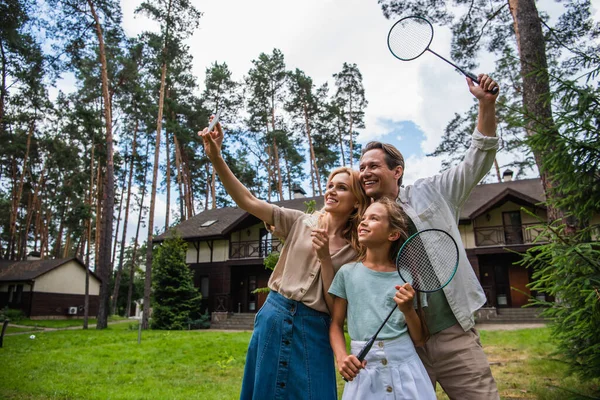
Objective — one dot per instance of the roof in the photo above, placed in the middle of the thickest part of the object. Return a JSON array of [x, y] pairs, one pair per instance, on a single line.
[[487, 196], [226, 219], [483, 198], [31, 269]]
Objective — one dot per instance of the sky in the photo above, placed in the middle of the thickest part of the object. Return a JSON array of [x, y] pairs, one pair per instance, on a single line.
[[410, 103]]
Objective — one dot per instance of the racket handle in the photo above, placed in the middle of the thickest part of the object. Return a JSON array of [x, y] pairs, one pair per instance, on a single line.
[[474, 79], [364, 351]]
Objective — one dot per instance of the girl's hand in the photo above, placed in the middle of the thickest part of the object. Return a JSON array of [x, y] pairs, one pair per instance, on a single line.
[[212, 140], [320, 241], [349, 367], [404, 297]]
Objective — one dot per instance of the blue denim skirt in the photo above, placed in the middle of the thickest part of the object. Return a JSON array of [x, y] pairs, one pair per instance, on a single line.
[[289, 356]]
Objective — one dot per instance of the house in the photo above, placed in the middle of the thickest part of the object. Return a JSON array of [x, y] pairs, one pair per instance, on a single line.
[[227, 246], [47, 288]]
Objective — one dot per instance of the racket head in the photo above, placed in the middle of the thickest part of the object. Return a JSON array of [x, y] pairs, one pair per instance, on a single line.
[[410, 37], [428, 260]]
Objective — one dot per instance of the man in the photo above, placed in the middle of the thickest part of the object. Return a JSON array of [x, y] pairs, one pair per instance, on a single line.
[[453, 356]]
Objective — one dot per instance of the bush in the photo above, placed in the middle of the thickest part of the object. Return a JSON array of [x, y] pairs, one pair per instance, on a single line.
[[201, 323], [568, 269], [11, 314]]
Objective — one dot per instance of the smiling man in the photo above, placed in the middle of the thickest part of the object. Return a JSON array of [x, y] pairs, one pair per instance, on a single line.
[[453, 356]]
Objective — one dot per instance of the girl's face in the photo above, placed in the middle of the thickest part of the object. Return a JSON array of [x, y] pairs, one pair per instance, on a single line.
[[338, 196], [374, 226]]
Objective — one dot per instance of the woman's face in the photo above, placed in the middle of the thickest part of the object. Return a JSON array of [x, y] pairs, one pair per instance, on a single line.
[[374, 226], [338, 196]]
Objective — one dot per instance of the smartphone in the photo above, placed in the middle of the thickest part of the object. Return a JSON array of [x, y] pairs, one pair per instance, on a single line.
[[214, 121]]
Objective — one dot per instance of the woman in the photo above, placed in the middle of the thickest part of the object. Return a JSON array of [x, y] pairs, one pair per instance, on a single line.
[[289, 356]]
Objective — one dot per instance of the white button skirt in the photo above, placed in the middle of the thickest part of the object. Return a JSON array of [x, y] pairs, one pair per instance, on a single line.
[[394, 371]]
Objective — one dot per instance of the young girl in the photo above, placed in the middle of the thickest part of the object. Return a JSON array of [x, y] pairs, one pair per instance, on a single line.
[[289, 356], [365, 291]]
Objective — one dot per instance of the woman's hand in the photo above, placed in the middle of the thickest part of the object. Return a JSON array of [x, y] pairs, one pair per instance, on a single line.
[[349, 367], [404, 297], [212, 140], [320, 240]]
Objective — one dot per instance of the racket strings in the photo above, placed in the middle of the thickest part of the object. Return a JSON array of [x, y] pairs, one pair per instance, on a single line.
[[428, 260], [410, 37]]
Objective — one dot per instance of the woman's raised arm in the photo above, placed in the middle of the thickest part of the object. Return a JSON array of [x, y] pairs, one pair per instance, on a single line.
[[238, 192]]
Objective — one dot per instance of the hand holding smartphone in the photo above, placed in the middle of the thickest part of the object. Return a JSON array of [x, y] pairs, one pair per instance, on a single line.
[[213, 123]]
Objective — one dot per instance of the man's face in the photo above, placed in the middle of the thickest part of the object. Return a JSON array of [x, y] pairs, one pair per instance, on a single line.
[[376, 178]]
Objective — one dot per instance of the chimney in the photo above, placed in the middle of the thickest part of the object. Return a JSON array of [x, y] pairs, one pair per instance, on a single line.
[[34, 255], [298, 192], [507, 176]]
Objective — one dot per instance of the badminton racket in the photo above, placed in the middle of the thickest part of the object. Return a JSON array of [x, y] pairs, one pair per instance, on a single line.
[[410, 37], [428, 260]]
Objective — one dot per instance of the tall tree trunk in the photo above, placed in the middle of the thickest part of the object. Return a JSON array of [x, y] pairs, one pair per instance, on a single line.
[[34, 203], [59, 235], [17, 198], [86, 299], [313, 160], [135, 241], [168, 176], [161, 100], [276, 155], [497, 167], [22, 250], [187, 180], [98, 230], [536, 86], [341, 136], [115, 295], [179, 179], [116, 242], [350, 133], [207, 194], [3, 90], [108, 193], [269, 174]]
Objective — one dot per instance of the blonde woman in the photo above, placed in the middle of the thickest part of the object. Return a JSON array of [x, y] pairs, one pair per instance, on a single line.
[[289, 355]]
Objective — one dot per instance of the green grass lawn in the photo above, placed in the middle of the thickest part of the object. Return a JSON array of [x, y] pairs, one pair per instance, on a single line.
[[109, 364]]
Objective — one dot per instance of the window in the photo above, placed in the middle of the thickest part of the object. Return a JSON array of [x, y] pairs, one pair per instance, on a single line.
[[204, 284], [513, 232], [11, 293], [208, 223], [266, 242], [19, 294]]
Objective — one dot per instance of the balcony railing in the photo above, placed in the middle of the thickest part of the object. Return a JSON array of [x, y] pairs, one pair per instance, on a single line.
[[254, 248], [507, 235]]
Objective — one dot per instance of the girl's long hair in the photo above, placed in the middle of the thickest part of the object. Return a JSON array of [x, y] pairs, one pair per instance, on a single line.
[[398, 221], [350, 232]]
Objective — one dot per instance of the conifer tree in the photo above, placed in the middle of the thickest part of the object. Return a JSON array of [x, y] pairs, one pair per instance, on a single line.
[[176, 300]]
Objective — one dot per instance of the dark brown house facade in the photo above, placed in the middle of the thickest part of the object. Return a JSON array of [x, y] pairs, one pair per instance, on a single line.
[[47, 288]]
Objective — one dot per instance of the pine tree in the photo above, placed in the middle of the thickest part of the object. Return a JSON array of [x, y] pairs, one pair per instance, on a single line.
[[176, 300], [351, 103]]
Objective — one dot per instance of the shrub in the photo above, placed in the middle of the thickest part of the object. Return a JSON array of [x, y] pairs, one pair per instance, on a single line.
[[11, 314]]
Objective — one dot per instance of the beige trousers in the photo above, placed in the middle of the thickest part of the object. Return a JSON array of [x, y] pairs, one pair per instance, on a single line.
[[456, 360]]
